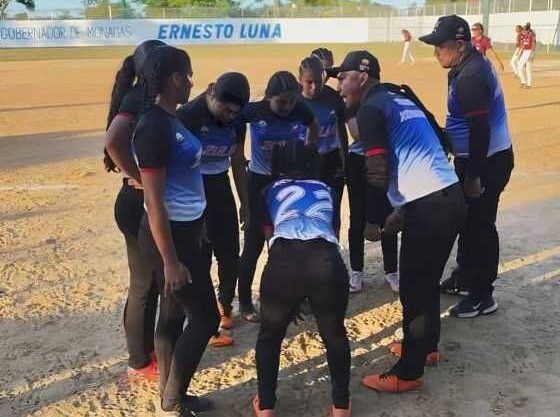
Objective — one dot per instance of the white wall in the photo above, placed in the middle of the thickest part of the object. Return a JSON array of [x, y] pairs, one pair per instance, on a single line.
[[40, 33]]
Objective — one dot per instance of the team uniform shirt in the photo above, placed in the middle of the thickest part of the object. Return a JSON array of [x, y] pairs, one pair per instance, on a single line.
[[269, 130], [356, 147], [474, 89], [161, 141], [482, 44], [218, 141], [392, 124], [328, 108], [527, 40], [300, 210], [519, 40]]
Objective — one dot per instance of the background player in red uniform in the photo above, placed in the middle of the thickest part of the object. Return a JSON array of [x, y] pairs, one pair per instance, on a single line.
[[517, 53], [407, 54], [483, 43], [525, 63]]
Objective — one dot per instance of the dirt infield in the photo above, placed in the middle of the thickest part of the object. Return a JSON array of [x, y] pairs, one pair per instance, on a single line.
[[63, 274]]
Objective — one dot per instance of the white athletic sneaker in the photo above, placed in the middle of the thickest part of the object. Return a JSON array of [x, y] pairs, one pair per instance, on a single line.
[[356, 281], [393, 281]]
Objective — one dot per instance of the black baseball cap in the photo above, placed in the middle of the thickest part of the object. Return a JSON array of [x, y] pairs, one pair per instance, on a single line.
[[448, 28], [361, 61]]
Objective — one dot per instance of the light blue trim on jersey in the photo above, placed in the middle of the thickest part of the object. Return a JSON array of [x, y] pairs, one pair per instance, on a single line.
[[456, 123], [301, 210], [218, 145], [184, 189], [357, 147], [418, 165], [265, 134]]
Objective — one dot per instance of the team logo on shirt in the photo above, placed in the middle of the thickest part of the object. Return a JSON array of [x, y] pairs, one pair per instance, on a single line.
[[204, 129], [262, 123], [179, 138], [364, 65]]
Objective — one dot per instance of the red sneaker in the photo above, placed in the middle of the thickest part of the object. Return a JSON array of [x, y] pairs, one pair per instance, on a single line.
[[220, 340], [341, 412], [261, 413], [391, 383], [432, 359], [149, 372], [226, 321]]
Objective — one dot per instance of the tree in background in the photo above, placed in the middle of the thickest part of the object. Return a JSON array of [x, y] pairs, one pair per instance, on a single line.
[[184, 3], [30, 4], [119, 10]]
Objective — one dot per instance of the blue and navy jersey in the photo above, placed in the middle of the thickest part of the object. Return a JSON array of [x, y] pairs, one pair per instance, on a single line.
[[474, 89], [356, 146], [219, 141], [162, 142], [392, 124], [328, 108], [300, 210], [269, 130]]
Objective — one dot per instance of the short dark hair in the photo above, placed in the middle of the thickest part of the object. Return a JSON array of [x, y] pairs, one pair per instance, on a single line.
[[232, 87]]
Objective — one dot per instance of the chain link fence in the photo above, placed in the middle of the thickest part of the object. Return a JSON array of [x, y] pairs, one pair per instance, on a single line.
[[290, 10]]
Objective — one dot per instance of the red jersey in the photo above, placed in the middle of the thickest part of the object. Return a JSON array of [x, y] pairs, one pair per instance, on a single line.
[[407, 36], [519, 40], [482, 44], [528, 38]]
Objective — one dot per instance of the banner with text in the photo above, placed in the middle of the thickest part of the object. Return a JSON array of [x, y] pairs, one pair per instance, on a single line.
[[56, 33]]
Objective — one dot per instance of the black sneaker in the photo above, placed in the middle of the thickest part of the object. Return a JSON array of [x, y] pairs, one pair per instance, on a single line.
[[470, 307], [178, 410], [249, 313], [199, 404], [456, 284]]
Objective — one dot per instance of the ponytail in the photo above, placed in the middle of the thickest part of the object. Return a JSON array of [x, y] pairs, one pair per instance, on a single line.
[[124, 81]]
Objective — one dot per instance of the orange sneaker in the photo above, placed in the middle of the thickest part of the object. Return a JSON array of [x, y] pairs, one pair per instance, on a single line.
[[261, 413], [220, 340], [432, 359], [226, 321], [341, 412], [390, 383], [149, 372]]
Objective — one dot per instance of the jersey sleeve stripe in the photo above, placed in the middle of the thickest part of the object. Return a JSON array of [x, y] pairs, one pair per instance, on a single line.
[[376, 151], [476, 113], [127, 115]]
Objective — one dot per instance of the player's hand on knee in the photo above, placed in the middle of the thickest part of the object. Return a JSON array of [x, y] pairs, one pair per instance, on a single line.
[[394, 222]]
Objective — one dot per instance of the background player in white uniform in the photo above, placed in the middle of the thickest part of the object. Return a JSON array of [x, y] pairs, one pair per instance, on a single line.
[[517, 53], [407, 45], [525, 63]]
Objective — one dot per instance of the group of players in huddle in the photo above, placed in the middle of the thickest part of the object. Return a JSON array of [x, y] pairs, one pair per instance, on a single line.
[[176, 209]]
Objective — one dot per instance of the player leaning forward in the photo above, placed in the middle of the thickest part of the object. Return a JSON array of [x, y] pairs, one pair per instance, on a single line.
[[478, 127], [405, 160]]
